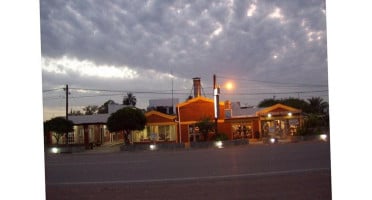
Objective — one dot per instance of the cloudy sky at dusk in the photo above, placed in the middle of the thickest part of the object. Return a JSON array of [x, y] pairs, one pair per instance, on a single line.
[[135, 47], [104, 49]]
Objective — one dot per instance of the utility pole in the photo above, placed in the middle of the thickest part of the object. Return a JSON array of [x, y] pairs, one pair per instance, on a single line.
[[216, 93], [66, 89]]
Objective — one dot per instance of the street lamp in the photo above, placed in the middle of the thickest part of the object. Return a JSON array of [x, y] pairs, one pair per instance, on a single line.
[[229, 85], [216, 95]]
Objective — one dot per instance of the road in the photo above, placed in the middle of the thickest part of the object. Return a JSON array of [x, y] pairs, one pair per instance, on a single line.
[[280, 171]]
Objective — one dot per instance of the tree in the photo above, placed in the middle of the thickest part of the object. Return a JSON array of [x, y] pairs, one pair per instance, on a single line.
[[295, 103], [75, 112], [318, 106], [126, 119], [104, 108], [130, 100], [205, 126], [58, 125], [292, 102], [90, 110], [267, 103]]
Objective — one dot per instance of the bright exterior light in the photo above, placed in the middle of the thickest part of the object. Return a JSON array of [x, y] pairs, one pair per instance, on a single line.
[[219, 144], [272, 140], [229, 86], [152, 146], [54, 150], [269, 115], [323, 137], [289, 114]]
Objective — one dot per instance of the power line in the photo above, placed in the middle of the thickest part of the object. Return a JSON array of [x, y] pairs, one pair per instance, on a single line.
[[292, 92], [52, 90], [274, 82]]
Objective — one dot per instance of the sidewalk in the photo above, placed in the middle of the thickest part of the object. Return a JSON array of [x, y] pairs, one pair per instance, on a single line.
[[105, 148]]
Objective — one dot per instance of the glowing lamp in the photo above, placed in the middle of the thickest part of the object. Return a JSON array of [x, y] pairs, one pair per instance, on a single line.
[[219, 144], [323, 137], [54, 150], [152, 147]]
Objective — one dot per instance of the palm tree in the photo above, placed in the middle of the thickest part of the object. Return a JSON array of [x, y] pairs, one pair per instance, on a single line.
[[130, 99], [318, 106]]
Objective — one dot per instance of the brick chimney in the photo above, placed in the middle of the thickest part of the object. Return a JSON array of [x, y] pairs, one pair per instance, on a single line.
[[197, 86]]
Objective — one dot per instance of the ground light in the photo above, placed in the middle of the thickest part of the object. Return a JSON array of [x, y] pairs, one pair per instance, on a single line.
[[323, 137], [273, 140], [152, 147], [218, 144], [54, 150]]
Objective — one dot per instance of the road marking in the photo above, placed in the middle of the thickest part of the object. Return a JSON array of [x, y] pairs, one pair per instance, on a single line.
[[94, 163], [194, 178]]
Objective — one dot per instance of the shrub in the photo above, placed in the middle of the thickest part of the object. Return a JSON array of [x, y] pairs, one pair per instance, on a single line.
[[221, 137]]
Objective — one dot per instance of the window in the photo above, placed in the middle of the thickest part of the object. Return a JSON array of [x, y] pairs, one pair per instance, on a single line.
[[242, 130], [162, 133], [194, 133], [71, 138], [81, 135]]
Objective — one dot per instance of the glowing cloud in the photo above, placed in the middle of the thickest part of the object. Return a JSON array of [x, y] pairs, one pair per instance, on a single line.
[[251, 10], [86, 68], [277, 14]]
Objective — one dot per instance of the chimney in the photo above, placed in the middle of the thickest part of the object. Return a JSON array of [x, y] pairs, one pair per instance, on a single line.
[[228, 104], [197, 87]]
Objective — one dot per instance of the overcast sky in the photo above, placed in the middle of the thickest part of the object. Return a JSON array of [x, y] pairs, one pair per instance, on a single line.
[[266, 48]]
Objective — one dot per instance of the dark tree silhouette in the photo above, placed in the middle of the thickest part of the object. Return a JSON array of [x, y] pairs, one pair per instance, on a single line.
[[130, 100], [205, 126], [90, 110], [126, 119], [318, 106], [58, 125], [267, 103], [292, 102]]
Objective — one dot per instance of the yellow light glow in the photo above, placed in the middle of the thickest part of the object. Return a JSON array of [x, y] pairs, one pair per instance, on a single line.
[[229, 86]]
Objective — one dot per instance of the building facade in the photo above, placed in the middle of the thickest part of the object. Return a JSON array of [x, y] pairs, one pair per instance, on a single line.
[[234, 120]]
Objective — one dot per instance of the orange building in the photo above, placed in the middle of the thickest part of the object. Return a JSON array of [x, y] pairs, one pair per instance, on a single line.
[[193, 111], [278, 121], [234, 120]]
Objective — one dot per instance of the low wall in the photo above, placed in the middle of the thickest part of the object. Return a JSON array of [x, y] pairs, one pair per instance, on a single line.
[[323, 137], [157, 146], [177, 146]]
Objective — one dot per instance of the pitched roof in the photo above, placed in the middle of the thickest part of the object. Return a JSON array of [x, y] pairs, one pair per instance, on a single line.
[[89, 119], [278, 106], [96, 118], [199, 98], [154, 112]]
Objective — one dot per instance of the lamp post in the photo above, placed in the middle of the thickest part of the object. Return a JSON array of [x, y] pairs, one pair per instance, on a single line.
[[216, 95]]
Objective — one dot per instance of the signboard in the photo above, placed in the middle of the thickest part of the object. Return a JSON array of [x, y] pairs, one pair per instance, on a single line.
[[293, 122], [153, 136], [272, 129]]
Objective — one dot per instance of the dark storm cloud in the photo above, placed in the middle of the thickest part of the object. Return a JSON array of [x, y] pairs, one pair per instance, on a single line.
[[282, 41]]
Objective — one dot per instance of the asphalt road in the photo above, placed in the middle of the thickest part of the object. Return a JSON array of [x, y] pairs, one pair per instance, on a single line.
[[280, 171]]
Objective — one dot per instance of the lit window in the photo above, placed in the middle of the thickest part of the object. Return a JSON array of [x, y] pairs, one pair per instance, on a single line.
[[71, 138]]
